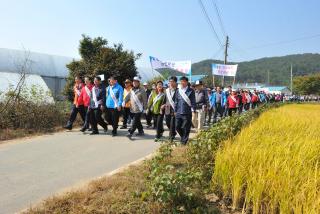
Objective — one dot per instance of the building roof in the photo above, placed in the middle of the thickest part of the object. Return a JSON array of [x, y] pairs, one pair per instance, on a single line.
[[276, 88], [41, 64]]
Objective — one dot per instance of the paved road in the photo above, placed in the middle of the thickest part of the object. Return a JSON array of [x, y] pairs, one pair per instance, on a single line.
[[34, 169]]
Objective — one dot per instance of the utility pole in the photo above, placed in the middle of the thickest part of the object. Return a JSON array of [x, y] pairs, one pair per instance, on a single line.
[[225, 55], [268, 82], [291, 77]]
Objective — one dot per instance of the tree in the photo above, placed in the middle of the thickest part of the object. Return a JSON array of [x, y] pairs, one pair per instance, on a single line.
[[97, 58], [307, 85]]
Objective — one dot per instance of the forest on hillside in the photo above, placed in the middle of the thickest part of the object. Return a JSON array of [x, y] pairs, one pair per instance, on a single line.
[[271, 70]]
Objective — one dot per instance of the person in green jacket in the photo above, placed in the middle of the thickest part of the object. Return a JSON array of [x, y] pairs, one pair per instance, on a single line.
[[156, 100]]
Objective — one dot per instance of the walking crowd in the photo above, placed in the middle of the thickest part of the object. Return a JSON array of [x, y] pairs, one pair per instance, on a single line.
[[180, 105]]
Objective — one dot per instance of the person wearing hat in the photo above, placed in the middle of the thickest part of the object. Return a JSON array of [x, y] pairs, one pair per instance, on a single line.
[[138, 100], [184, 105], [114, 97], [168, 107], [202, 102], [147, 116], [126, 104]]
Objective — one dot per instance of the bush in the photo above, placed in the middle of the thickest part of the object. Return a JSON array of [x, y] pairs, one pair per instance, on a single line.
[[29, 111]]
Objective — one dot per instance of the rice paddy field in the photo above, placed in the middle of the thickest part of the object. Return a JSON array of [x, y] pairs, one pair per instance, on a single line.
[[273, 165]]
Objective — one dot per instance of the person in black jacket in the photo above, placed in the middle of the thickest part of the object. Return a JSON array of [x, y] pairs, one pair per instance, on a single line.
[[168, 107], [97, 106], [202, 102], [185, 104]]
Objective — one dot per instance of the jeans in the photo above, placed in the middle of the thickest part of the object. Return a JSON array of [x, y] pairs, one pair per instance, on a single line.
[[218, 109]]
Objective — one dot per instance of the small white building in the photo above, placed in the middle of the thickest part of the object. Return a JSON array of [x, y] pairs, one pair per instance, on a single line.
[[277, 90]]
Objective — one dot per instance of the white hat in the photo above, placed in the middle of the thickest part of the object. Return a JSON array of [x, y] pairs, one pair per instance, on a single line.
[[145, 83], [136, 79], [198, 82]]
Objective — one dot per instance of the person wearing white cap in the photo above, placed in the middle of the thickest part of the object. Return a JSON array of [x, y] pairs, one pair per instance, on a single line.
[[202, 101], [184, 105], [138, 100], [148, 116]]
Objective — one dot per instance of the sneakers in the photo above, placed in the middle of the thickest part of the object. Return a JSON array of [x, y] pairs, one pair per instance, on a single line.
[[129, 136], [83, 129], [123, 127], [68, 127], [114, 133], [94, 133], [157, 140], [140, 134]]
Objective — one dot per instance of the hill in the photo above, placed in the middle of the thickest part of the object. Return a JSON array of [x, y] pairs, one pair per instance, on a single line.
[[257, 70]]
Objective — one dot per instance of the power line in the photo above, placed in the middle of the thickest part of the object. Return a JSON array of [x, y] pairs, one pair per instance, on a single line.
[[219, 17], [203, 9], [217, 53]]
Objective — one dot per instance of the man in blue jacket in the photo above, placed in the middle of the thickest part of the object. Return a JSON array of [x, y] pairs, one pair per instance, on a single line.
[[185, 104], [114, 94], [218, 101]]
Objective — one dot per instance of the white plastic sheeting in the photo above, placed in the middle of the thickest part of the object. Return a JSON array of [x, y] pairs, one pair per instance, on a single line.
[[10, 80], [147, 73], [41, 64]]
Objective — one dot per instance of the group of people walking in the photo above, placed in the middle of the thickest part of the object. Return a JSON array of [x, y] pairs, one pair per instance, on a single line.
[[180, 108]]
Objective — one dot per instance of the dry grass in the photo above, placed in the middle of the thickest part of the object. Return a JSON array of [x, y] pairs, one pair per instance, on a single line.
[[124, 192], [272, 166]]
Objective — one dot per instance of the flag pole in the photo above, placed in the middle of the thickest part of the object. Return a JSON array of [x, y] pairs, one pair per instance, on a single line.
[[213, 80]]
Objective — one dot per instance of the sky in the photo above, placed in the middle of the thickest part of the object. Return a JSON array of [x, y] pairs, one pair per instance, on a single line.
[[166, 29]]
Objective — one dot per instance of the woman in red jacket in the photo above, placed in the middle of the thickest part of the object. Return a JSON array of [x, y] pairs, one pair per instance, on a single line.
[[233, 103], [254, 99], [77, 106], [84, 97]]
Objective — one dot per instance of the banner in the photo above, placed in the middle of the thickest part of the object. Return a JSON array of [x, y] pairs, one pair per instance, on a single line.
[[224, 70], [181, 66]]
